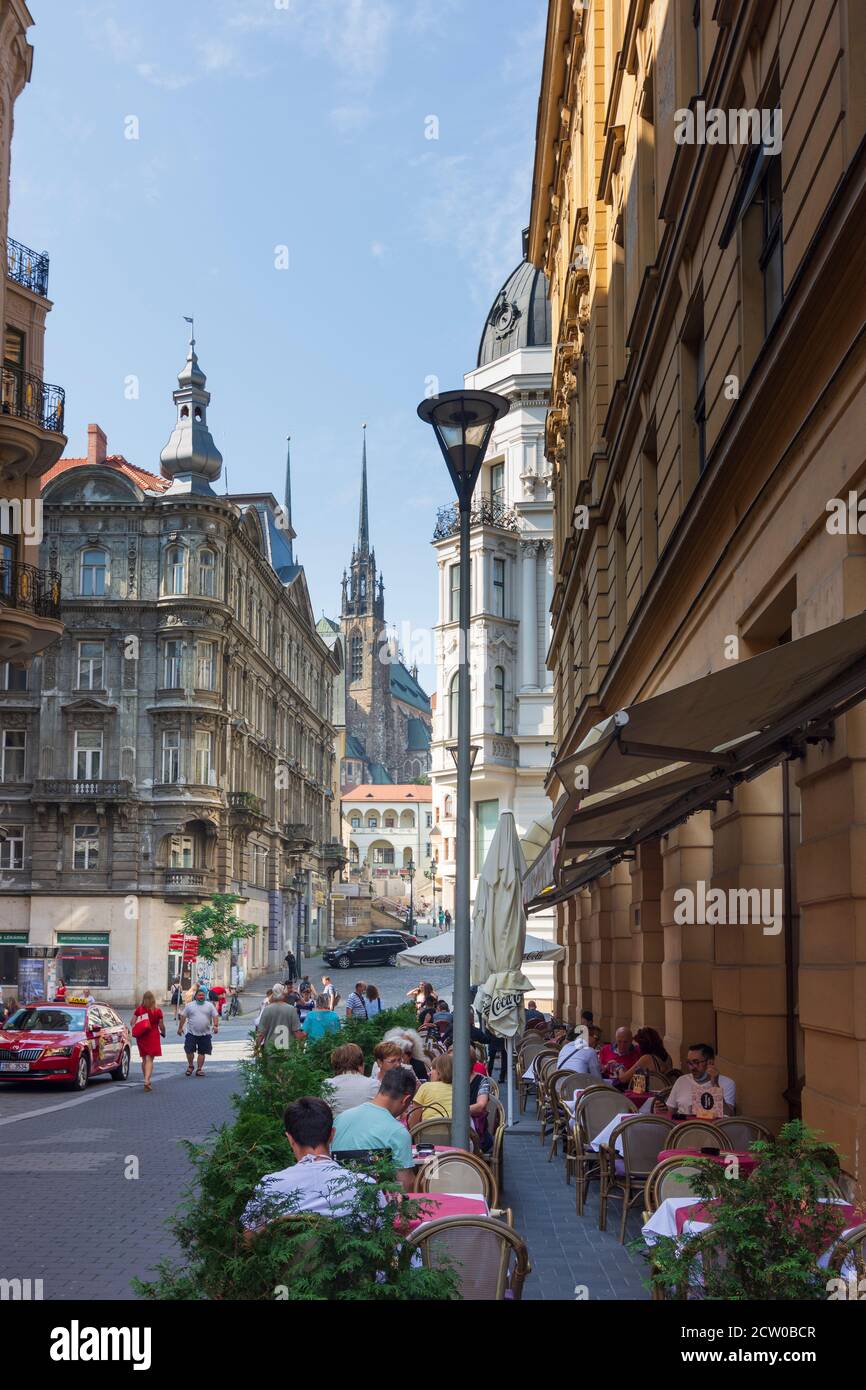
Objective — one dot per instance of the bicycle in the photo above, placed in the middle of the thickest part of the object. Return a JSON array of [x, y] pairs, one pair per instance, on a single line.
[[233, 1008]]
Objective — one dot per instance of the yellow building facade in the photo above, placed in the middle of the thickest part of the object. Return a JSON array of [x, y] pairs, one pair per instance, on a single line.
[[698, 207]]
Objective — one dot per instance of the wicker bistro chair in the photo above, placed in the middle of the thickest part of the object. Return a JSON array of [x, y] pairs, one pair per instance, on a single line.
[[490, 1258], [529, 1054], [849, 1259], [846, 1186], [496, 1126], [643, 1137], [563, 1085], [699, 1134], [547, 1072], [670, 1178], [439, 1132], [458, 1172], [570, 1151], [595, 1109], [741, 1133]]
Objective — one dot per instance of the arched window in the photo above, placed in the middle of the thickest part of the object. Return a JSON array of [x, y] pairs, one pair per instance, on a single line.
[[355, 822], [372, 821], [175, 570], [448, 808], [357, 656], [453, 699], [499, 699], [93, 573], [207, 573]]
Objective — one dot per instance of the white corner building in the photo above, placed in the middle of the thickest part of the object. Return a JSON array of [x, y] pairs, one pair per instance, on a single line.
[[512, 589]]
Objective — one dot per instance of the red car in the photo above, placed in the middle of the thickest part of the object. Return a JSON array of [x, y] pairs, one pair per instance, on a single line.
[[67, 1041]]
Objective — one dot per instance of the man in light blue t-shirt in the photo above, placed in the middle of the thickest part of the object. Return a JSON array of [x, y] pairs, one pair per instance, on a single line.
[[375, 1124]]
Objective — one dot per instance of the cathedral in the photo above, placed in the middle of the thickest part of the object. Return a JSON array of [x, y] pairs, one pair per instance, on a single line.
[[388, 717]]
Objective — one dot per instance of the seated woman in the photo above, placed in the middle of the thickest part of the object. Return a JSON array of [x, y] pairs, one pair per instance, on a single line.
[[413, 1050], [479, 1103], [349, 1086], [386, 1055], [653, 1056], [433, 1099]]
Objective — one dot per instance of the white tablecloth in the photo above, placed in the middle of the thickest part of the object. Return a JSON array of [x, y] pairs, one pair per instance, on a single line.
[[663, 1222], [604, 1134]]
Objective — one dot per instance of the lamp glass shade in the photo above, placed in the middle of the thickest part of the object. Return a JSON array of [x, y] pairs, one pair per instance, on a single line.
[[463, 422]]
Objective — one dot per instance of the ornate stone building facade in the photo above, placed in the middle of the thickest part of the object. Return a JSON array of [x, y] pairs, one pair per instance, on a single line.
[[387, 714], [709, 400], [178, 741]]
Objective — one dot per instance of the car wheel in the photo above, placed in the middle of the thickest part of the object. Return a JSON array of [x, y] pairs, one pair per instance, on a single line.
[[392, 959], [122, 1072], [82, 1075], [344, 962]]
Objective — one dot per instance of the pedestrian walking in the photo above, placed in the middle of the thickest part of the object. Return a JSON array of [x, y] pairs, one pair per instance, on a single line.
[[447, 921], [291, 966], [373, 1001], [201, 1021], [148, 1026], [356, 1004], [329, 992], [441, 919], [176, 996]]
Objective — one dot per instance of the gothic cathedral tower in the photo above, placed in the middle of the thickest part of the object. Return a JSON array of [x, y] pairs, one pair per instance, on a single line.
[[362, 621]]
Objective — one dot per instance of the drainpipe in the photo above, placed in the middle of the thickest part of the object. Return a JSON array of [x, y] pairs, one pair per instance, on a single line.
[[792, 1094]]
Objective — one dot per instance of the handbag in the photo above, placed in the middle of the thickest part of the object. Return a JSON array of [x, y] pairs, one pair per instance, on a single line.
[[141, 1025]]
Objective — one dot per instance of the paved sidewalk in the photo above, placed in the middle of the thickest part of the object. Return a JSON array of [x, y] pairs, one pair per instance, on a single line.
[[565, 1250]]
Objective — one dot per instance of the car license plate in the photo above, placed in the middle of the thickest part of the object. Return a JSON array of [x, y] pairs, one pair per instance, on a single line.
[[14, 1066]]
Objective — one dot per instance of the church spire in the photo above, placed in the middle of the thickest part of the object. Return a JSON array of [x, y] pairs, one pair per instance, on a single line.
[[287, 505], [363, 519]]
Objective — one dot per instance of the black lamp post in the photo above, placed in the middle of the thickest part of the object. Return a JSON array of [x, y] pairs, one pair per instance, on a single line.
[[463, 423], [409, 871]]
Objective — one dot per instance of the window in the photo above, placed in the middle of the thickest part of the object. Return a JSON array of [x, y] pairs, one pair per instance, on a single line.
[[12, 847], [355, 822], [453, 701], [204, 773], [85, 846], [499, 699], [14, 356], [454, 593], [175, 570], [357, 657], [692, 404], [13, 676], [8, 556], [92, 575], [14, 751], [486, 818], [382, 855], [205, 665], [497, 484], [171, 755], [390, 822], [429, 819], [88, 755], [448, 808], [172, 665], [207, 573], [181, 852], [769, 200], [91, 657], [372, 822], [499, 588]]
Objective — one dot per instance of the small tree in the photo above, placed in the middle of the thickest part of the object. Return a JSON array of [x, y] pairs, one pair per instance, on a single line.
[[215, 926]]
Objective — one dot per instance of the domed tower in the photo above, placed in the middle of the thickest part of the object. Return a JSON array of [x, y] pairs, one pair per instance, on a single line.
[[190, 458], [520, 314]]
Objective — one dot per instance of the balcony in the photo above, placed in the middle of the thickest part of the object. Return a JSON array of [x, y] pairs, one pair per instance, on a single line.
[[247, 811], [31, 423], [72, 789], [334, 853], [188, 883], [29, 610], [486, 511], [298, 835], [26, 267]]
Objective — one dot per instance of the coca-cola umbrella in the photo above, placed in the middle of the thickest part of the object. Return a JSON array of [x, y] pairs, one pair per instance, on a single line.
[[440, 951], [498, 943]]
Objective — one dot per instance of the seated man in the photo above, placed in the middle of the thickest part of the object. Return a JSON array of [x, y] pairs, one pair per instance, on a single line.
[[375, 1123], [701, 1063], [533, 1013], [319, 1183], [578, 1055], [619, 1055]]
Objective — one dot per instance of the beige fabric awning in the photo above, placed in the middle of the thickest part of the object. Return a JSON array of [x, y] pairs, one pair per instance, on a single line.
[[654, 764]]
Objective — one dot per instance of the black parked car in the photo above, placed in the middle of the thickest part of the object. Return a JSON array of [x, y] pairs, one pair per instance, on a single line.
[[375, 948]]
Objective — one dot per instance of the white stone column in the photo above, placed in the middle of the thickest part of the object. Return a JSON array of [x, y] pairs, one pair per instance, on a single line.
[[528, 617], [545, 679]]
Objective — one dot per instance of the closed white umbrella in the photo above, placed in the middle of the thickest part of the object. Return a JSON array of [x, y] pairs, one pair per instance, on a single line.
[[498, 942]]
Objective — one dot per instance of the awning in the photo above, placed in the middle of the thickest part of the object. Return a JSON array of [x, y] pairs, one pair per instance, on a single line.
[[647, 768]]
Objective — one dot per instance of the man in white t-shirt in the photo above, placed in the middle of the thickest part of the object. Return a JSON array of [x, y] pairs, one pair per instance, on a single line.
[[701, 1063], [200, 1020], [315, 1182], [580, 1053]]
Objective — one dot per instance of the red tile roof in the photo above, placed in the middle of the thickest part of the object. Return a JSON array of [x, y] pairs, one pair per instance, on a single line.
[[389, 791], [148, 482]]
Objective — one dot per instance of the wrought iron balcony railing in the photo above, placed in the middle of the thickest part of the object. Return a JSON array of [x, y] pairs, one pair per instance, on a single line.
[[35, 591], [83, 789], [28, 268], [486, 511], [248, 802], [29, 398]]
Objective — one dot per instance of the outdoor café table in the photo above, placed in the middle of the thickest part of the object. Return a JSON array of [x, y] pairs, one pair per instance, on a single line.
[[442, 1204], [603, 1135], [748, 1162], [679, 1217], [418, 1159]]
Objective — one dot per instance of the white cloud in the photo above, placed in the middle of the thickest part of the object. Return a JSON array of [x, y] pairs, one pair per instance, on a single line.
[[169, 81], [346, 120], [377, 249]]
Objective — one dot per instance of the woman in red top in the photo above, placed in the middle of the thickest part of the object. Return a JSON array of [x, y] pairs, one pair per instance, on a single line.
[[149, 1045]]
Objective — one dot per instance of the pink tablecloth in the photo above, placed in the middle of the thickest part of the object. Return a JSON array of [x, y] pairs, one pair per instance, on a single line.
[[443, 1204], [418, 1159], [703, 1212], [748, 1162]]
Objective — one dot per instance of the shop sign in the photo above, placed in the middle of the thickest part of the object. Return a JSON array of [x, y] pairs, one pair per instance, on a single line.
[[80, 938], [13, 938]]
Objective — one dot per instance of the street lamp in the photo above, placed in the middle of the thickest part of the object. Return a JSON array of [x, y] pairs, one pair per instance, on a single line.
[[409, 871], [431, 874], [463, 423]]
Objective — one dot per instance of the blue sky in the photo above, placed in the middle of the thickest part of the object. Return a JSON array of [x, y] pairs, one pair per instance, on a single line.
[[281, 123]]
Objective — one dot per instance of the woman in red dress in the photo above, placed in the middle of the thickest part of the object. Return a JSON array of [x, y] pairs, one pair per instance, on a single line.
[[149, 1045]]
